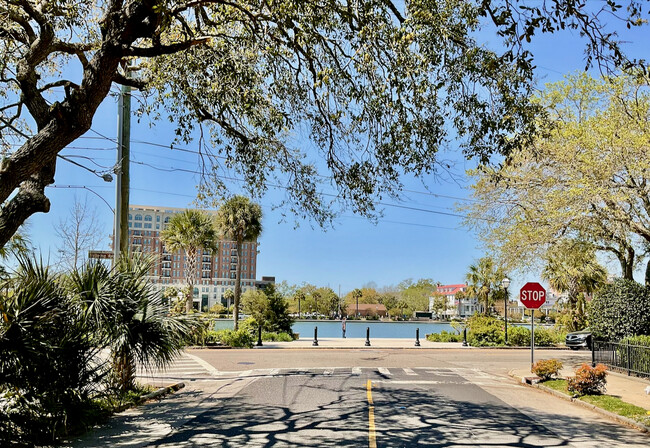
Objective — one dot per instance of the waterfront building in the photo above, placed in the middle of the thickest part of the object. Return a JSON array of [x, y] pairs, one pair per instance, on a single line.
[[216, 272], [457, 307]]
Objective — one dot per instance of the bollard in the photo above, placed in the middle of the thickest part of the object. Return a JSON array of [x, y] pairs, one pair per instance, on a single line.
[[367, 336], [259, 336], [464, 337], [417, 337], [315, 343]]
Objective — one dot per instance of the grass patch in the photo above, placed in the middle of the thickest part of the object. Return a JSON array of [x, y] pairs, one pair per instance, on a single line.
[[607, 402], [558, 385]]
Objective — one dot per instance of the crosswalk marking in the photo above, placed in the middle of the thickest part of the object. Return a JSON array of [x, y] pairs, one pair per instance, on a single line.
[[328, 372], [409, 371], [356, 370], [383, 370]]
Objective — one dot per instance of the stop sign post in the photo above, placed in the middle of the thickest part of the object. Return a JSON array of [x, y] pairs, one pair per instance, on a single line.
[[532, 295]]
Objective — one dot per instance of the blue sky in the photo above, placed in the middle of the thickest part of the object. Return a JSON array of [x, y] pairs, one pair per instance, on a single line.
[[405, 243]]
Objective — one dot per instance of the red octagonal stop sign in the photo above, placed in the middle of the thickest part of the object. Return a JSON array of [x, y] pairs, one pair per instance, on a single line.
[[532, 295]]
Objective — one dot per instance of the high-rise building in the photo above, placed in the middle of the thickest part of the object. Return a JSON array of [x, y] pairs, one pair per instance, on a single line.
[[216, 273]]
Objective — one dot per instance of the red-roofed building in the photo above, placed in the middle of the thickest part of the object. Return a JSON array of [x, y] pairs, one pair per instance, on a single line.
[[465, 307]]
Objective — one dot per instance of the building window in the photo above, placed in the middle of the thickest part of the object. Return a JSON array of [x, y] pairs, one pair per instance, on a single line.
[[138, 225], [147, 217], [138, 217], [147, 225], [158, 218]]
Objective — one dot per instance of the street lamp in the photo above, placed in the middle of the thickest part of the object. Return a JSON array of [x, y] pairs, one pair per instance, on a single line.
[[505, 283]]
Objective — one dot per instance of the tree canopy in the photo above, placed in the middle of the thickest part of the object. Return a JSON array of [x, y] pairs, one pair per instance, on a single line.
[[376, 88], [586, 179]]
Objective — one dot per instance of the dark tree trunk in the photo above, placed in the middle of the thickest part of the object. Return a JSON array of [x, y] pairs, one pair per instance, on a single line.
[[237, 285]]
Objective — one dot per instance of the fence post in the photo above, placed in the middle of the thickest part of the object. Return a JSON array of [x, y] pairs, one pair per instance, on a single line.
[[629, 359], [593, 352]]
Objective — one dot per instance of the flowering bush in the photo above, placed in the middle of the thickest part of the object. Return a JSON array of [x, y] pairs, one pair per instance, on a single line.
[[546, 368], [588, 380]]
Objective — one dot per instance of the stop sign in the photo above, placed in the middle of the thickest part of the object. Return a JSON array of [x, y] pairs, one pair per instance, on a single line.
[[532, 295]]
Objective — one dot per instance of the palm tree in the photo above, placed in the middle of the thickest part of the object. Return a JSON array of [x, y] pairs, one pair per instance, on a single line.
[[229, 295], [190, 231], [482, 278], [357, 294], [129, 316], [239, 220], [571, 267]]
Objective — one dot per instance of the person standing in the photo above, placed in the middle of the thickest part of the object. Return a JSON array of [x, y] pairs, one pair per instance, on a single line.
[[343, 326]]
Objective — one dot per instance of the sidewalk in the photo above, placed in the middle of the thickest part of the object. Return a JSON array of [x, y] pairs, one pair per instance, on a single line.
[[628, 388], [350, 343]]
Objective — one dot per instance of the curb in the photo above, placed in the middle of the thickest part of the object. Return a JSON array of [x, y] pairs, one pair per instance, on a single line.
[[619, 418], [162, 391]]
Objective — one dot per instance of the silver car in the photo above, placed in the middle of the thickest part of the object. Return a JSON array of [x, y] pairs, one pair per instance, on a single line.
[[579, 339]]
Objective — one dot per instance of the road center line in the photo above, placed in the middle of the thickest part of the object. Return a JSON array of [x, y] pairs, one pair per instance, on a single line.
[[372, 438]]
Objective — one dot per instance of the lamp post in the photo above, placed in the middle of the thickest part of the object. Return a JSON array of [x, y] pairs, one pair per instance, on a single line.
[[505, 283]]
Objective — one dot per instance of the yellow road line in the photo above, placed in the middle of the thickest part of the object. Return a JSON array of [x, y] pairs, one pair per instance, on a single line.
[[372, 438]]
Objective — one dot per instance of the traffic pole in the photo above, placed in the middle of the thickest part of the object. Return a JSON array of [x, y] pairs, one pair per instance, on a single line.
[[532, 339]]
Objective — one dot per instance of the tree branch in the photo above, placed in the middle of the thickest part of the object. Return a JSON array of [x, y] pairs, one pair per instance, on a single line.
[[162, 49]]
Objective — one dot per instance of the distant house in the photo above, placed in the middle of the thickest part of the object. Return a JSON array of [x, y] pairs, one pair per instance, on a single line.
[[367, 310], [457, 307]]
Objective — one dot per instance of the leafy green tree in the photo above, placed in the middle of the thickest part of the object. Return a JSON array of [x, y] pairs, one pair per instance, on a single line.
[[484, 280], [620, 309], [571, 267], [416, 294], [190, 231], [586, 179], [238, 219], [381, 86]]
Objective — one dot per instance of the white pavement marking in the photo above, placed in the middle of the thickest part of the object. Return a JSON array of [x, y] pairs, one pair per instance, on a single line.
[[245, 373], [383, 370], [275, 372], [356, 370], [206, 365], [328, 372], [409, 371]]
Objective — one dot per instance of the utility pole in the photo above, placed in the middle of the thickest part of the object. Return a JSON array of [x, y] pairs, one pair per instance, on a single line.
[[121, 235]]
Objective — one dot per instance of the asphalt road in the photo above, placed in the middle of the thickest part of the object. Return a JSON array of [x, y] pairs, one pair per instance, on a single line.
[[384, 398]]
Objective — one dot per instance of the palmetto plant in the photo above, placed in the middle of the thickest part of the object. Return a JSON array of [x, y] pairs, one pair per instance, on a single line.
[[240, 220], [47, 359], [129, 317], [190, 231]]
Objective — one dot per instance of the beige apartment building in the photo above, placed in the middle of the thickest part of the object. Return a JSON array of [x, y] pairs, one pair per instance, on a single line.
[[216, 273]]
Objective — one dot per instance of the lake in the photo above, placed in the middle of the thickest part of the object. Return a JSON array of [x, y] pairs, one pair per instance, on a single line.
[[357, 329]]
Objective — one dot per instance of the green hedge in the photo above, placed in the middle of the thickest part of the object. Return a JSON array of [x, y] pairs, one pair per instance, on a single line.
[[444, 336], [619, 310]]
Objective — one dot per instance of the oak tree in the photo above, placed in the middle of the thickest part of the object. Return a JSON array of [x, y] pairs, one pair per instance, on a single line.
[[376, 88]]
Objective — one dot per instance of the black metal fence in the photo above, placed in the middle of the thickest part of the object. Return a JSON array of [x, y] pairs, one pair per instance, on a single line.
[[626, 358]]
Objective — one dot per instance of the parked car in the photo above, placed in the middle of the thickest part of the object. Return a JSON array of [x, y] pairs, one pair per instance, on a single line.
[[579, 339]]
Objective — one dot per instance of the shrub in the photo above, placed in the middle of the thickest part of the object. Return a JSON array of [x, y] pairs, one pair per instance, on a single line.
[[444, 336], [276, 337], [545, 337], [547, 368], [238, 338], [588, 380], [519, 336], [620, 309], [484, 331]]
